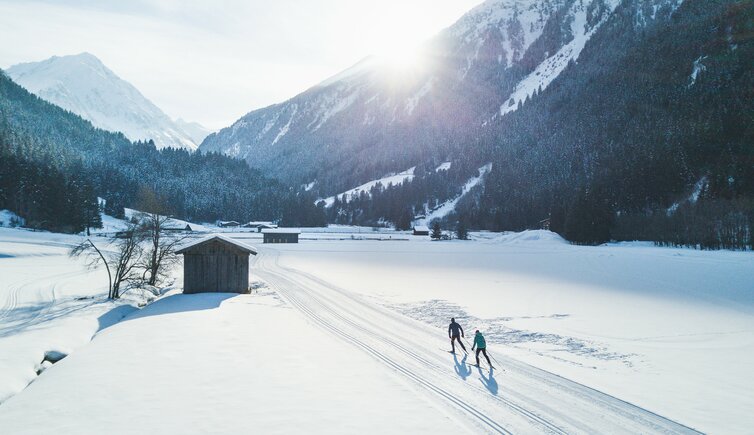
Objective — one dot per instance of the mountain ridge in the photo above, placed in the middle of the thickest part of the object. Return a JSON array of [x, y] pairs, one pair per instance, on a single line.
[[370, 120], [82, 84]]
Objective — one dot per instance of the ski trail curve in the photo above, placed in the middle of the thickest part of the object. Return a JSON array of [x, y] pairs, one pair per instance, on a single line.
[[523, 399]]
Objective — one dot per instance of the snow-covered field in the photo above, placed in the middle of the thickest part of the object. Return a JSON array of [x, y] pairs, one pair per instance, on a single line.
[[48, 303], [220, 363], [671, 330], [347, 330]]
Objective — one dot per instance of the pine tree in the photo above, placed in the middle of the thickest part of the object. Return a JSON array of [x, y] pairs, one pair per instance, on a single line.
[[436, 231], [462, 233]]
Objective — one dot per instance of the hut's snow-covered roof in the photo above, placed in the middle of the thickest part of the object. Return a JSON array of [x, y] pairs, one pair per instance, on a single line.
[[242, 246]]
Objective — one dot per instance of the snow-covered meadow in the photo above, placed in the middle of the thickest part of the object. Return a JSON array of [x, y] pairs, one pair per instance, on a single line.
[[671, 330], [346, 330], [220, 363], [49, 302]]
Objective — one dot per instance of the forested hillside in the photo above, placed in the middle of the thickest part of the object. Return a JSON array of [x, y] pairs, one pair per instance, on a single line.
[[376, 118], [654, 141], [54, 165], [649, 136]]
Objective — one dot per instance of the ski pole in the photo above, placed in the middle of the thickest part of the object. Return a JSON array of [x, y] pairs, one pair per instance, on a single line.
[[488, 354], [496, 361]]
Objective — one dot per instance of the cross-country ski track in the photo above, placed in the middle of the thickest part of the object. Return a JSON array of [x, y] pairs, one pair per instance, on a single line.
[[519, 398]]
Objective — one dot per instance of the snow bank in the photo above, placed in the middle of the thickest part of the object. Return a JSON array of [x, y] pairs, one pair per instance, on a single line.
[[529, 237], [10, 219], [220, 363], [48, 302]]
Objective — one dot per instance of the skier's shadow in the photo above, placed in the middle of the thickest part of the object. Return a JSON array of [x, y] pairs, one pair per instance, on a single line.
[[461, 368], [489, 381]]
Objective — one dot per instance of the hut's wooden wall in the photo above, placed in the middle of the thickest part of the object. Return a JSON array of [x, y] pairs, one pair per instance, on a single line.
[[280, 238], [215, 267]]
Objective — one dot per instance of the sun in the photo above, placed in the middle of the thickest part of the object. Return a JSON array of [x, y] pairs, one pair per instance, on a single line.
[[405, 58]]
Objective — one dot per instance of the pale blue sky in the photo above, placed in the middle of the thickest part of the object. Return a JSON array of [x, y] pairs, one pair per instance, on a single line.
[[213, 61]]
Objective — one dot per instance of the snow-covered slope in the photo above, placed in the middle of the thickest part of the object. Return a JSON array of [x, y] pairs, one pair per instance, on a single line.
[[582, 26], [387, 116], [391, 179], [193, 129], [447, 207], [376, 118], [83, 85]]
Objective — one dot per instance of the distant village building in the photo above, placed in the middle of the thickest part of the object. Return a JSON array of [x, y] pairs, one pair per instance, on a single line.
[[228, 224], [178, 228], [123, 234], [216, 264], [280, 235], [259, 225], [421, 230]]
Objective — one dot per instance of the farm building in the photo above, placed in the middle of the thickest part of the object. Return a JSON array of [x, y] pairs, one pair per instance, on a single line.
[[216, 264], [178, 228], [280, 235], [421, 230], [228, 224], [259, 225]]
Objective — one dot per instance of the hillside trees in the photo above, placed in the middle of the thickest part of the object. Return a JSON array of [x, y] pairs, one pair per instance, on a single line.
[[436, 231], [54, 162]]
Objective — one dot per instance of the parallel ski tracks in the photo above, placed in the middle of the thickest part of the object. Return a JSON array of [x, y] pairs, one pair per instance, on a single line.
[[299, 289]]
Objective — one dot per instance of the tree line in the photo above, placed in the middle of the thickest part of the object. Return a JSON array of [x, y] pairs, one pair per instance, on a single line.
[[55, 166]]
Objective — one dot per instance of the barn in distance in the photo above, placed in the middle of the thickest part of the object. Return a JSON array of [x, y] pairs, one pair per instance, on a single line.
[[216, 264], [280, 235]]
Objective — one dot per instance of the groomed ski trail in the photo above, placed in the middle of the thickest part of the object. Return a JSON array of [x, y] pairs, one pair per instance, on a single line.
[[514, 398]]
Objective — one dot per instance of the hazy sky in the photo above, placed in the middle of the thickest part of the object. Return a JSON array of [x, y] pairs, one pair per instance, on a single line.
[[213, 61]]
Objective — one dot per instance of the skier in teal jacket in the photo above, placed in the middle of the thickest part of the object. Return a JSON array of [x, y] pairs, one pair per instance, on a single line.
[[481, 346]]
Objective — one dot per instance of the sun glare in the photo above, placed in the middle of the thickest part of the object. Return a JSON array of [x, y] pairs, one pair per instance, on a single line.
[[404, 58]]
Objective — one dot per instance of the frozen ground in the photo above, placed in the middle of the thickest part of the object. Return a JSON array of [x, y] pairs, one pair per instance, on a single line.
[[221, 363], [348, 336], [48, 303], [671, 330]]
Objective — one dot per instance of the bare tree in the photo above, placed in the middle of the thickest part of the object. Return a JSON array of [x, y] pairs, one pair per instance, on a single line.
[[120, 263], [153, 223]]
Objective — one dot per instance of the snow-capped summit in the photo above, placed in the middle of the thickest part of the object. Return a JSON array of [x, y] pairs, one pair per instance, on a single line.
[[83, 85]]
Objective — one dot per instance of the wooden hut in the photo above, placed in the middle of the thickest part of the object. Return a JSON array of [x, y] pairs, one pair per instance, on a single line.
[[280, 235], [216, 264], [421, 230]]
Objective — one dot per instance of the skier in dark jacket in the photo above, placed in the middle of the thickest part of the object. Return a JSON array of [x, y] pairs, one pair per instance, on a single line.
[[481, 346], [455, 332]]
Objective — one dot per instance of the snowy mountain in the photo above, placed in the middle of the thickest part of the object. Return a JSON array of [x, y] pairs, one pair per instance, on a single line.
[[194, 130], [83, 85], [583, 108], [375, 118]]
